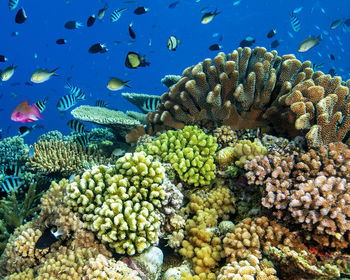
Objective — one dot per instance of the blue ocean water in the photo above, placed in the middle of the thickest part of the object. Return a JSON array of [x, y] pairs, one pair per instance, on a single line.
[[35, 46]]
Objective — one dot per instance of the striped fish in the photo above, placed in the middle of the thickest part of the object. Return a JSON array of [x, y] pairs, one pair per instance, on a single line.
[[150, 104], [101, 103], [11, 183], [83, 140], [66, 102], [76, 126], [13, 4], [295, 22], [76, 91], [41, 104], [116, 14], [12, 170]]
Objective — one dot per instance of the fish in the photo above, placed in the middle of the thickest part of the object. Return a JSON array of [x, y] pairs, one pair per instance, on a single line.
[[21, 16], [295, 22], [25, 113], [208, 17], [12, 170], [98, 48], [73, 24], [7, 73], [173, 4], [76, 126], [297, 10], [48, 237], [28, 84], [115, 84], [83, 140], [336, 23], [271, 33], [204, 10], [91, 20], [275, 44], [236, 3], [134, 60], [332, 57], [101, 103], [12, 4], [14, 33], [25, 130], [172, 43], [76, 91], [290, 35], [3, 58], [31, 152], [150, 104], [101, 12], [42, 75], [247, 42], [61, 41], [116, 14], [11, 184], [141, 10], [309, 43], [332, 72], [41, 104], [66, 102], [131, 31], [215, 47], [71, 178]]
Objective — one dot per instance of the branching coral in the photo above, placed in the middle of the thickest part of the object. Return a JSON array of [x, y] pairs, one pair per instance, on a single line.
[[13, 151]]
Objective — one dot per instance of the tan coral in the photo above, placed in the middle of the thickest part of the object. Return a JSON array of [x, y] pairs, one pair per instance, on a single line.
[[225, 136]]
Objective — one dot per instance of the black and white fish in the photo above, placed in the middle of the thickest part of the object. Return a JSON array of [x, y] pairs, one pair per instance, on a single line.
[[98, 48], [21, 16], [116, 14], [48, 237], [215, 47], [76, 91], [172, 43], [11, 183], [3, 58], [25, 130], [73, 24], [275, 44], [101, 103], [141, 10], [83, 140], [76, 126], [91, 20], [61, 41], [12, 170], [12, 4], [66, 102], [295, 22], [271, 33], [150, 104], [41, 104], [131, 31]]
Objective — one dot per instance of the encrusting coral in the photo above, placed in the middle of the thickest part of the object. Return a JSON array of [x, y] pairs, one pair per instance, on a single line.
[[190, 151], [251, 88]]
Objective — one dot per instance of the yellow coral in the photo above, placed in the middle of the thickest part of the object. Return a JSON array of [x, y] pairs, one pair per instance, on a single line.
[[246, 150]]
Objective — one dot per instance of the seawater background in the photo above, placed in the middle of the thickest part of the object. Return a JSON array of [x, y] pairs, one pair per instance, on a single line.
[[45, 24]]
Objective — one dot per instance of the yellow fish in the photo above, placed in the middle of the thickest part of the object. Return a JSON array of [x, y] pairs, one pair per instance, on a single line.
[[7, 73], [115, 84], [309, 43], [42, 75], [208, 17]]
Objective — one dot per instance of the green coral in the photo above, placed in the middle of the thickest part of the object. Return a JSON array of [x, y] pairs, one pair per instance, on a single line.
[[246, 150], [13, 151], [119, 202], [190, 151]]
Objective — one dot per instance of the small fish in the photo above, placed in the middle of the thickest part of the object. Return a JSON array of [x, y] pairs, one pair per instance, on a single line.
[[98, 48], [28, 84], [91, 20], [12, 170], [117, 42], [134, 60], [11, 184], [25, 113], [71, 178], [25, 130], [208, 17], [66, 102], [31, 152], [325, 32], [336, 23], [3, 58], [271, 33], [247, 42], [115, 84], [295, 22], [48, 237], [41, 104], [12, 4], [204, 10], [83, 140], [76, 91], [297, 10], [236, 3], [117, 14], [131, 31], [101, 12], [130, 42], [21, 16], [141, 10], [290, 35], [275, 44], [332, 72], [173, 4], [150, 104], [101, 103], [309, 43], [7, 73], [332, 57], [317, 27], [76, 126], [14, 33], [215, 47], [172, 43], [61, 41], [316, 67], [73, 24], [42, 75], [323, 11]]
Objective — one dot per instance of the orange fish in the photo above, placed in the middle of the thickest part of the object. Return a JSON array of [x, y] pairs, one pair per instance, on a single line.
[[25, 113]]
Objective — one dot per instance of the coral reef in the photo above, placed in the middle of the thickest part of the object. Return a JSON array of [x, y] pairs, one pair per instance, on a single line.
[[51, 135], [225, 135], [139, 99], [190, 151], [170, 80], [13, 151]]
